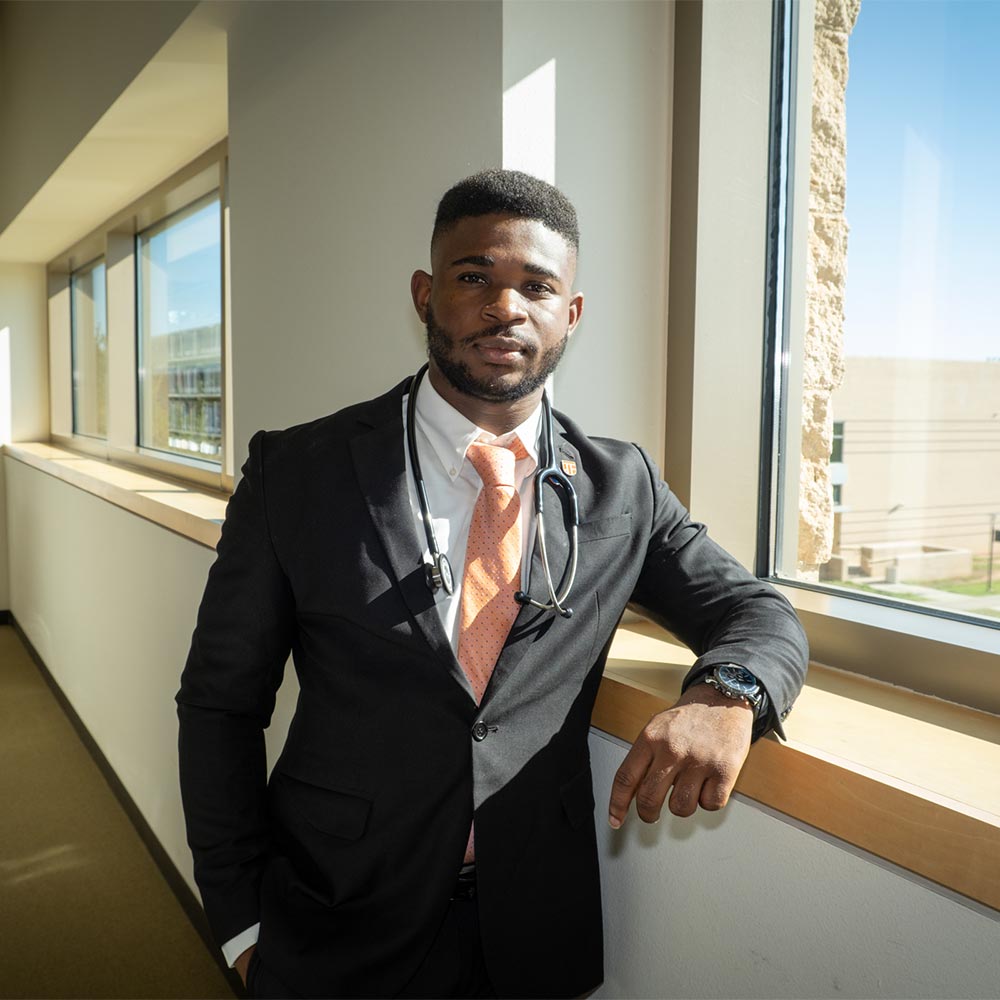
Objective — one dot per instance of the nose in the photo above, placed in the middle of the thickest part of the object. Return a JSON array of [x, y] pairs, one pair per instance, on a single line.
[[505, 306]]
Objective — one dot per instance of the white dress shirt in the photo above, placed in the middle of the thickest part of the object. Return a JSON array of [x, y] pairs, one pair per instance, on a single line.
[[453, 485], [443, 436]]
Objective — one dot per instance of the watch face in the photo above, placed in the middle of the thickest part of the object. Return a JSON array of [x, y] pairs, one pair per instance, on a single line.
[[737, 679]]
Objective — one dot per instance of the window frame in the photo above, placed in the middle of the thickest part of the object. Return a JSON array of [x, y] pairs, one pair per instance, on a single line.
[[88, 267], [161, 225], [115, 241], [889, 640], [719, 458]]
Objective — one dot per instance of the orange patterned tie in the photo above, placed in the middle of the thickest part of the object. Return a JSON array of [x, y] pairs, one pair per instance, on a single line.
[[492, 568], [492, 562]]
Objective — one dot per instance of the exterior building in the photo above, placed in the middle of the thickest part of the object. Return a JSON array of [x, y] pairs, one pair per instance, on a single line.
[[191, 380], [911, 469]]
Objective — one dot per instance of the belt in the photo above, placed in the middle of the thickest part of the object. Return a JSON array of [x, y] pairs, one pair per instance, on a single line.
[[465, 885]]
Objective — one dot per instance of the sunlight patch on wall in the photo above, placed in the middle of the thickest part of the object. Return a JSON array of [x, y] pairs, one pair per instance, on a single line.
[[529, 124]]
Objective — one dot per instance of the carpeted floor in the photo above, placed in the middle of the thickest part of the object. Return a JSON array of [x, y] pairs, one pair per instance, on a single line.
[[84, 911]]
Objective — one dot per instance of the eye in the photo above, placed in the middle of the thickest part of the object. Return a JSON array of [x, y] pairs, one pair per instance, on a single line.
[[538, 288], [473, 278]]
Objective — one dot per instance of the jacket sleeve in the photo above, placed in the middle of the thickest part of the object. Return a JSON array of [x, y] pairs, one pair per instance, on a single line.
[[235, 666], [706, 598]]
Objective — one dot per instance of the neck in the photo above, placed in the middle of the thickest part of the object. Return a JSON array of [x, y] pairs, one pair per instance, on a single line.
[[496, 417]]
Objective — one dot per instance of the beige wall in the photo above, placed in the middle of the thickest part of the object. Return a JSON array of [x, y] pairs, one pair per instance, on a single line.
[[346, 122], [24, 313], [612, 67], [24, 386], [109, 602]]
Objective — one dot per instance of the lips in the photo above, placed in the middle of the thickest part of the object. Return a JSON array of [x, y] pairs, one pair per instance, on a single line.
[[500, 350]]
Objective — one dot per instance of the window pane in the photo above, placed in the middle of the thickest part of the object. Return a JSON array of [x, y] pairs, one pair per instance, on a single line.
[[895, 456], [180, 333], [89, 334]]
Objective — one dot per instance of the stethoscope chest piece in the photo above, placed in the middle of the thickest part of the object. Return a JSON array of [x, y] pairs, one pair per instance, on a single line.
[[438, 570], [439, 574]]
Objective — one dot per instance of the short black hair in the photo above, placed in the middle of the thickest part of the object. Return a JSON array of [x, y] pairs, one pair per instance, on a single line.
[[508, 192]]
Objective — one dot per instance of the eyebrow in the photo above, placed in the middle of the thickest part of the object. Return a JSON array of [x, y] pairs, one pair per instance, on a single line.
[[484, 260]]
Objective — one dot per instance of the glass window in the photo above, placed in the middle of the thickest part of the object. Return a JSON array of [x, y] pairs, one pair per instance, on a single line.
[[890, 455], [179, 263], [89, 339]]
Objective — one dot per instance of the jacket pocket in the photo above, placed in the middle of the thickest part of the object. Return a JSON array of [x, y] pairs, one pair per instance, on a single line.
[[329, 810], [578, 798], [605, 527]]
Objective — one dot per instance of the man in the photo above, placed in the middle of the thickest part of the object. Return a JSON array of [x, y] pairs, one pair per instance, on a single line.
[[428, 829]]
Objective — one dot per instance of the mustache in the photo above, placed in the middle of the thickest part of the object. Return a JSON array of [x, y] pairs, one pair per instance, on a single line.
[[500, 331]]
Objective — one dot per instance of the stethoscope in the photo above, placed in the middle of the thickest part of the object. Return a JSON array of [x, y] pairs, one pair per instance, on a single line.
[[438, 570]]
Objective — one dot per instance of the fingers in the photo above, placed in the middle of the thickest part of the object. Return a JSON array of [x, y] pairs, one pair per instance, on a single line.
[[715, 792], [691, 749], [652, 792], [627, 780], [646, 774]]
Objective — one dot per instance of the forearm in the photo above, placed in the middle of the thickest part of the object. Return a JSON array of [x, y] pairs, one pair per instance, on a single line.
[[223, 788]]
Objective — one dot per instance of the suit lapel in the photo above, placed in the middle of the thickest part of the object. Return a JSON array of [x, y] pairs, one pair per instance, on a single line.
[[379, 461]]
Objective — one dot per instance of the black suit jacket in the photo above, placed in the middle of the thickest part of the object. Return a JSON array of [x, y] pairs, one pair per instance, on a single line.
[[348, 855]]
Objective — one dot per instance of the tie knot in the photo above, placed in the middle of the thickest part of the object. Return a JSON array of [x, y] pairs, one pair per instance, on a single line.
[[494, 461]]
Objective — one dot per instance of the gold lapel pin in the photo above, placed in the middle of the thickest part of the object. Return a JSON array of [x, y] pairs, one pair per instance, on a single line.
[[568, 466]]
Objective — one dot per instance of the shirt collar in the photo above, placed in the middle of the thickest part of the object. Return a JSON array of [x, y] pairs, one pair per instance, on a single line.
[[449, 433]]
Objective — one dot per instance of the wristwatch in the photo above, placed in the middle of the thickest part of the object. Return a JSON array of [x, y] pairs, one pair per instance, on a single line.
[[738, 683]]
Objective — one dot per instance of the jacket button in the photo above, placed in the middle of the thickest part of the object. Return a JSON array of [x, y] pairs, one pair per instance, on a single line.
[[479, 731]]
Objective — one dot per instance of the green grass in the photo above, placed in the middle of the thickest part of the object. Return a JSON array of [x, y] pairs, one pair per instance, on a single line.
[[989, 612], [869, 589], [965, 586]]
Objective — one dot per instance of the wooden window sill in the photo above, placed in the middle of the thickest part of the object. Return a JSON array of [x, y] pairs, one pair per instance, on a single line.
[[910, 778], [194, 513]]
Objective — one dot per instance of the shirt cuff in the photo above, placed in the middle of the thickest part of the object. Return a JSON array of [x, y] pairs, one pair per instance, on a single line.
[[235, 947]]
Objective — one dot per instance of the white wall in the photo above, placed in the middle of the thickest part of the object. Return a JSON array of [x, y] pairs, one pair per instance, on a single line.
[[743, 903], [612, 108]]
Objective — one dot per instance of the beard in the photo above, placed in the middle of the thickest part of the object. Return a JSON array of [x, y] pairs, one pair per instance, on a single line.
[[493, 390]]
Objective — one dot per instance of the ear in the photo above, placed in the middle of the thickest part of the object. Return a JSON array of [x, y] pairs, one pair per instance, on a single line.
[[575, 311], [420, 290]]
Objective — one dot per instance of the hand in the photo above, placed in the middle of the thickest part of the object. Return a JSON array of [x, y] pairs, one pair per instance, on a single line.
[[698, 747], [243, 963]]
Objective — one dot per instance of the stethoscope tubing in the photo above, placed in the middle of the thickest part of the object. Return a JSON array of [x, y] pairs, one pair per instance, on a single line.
[[439, 572]]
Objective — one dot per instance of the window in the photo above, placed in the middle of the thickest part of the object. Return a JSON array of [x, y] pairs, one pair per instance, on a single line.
[[887, 478], [89, 332], [138, 332], [180, 332]]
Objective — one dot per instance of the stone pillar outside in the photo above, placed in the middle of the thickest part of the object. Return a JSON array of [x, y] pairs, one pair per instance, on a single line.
[[826, 275]]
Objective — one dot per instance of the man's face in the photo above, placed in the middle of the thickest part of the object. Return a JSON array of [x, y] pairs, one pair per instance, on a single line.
[[499, 307]]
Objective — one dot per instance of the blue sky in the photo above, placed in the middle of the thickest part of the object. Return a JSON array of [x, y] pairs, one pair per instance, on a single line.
[[187, 288], [923, 163]]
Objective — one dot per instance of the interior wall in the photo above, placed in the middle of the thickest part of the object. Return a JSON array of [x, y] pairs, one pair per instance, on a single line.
[[62, 63], [24, 387], [612, 72], [24, 312], [109, 602], [347, 122], [742, 903]]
